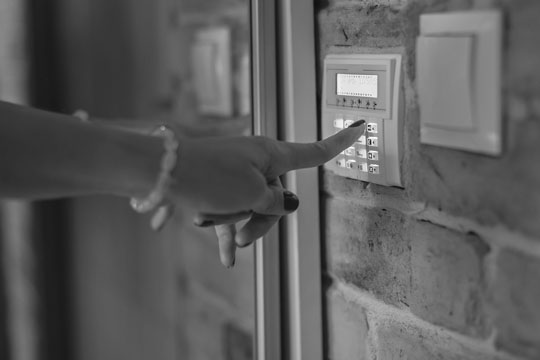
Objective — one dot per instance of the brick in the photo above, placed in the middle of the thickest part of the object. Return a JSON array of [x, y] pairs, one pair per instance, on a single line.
[[517, 301], [447, 278], [523, 57], [435, 271], [347, 328], [490, 190], [368, 248], [398, 341]]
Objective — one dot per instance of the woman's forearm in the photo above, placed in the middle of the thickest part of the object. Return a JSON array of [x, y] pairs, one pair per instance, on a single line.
[[49, 155]]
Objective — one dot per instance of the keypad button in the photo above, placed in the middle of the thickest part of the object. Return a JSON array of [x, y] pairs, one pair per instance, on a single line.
[[362, 140], [373, 155], [348, 123], [363, 167], [350, 164], [341, 162], [361, 153], [350, 151], [373, 141], [372, 128], [338, 123], [373, 169]]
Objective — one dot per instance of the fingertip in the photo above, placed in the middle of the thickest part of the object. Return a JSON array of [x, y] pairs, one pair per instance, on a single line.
[[227, 247], [228, 260], [231, 265], [357, 123]]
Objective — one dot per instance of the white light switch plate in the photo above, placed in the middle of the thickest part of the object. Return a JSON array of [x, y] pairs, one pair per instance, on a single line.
[[211, 68], [459, 80]]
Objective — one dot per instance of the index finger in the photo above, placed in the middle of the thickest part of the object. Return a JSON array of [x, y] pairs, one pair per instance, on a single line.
[[294, 156]]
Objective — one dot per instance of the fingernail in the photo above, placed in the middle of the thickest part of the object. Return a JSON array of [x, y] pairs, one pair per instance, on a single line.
[[290, 201], [358, 123], [157, 226], [205, 223]]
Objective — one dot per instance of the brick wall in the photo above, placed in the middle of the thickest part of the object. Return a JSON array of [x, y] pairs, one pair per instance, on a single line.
[[449, 266]]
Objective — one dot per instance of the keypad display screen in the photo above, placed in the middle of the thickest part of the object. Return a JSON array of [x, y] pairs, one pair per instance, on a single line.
[[357, 85]]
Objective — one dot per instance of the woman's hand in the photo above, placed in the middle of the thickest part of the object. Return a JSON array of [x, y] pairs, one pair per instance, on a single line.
[[229, 179]]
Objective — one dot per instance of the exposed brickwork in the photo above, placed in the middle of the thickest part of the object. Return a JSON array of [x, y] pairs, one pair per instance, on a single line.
[[442, 275], [402, 342], [447, 278], [453, 180], [434, 271], [369, 248], [517, 298], [347, 328]]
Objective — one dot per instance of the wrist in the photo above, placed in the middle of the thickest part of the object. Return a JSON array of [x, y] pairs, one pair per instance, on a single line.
[[164, 179], [134, 164]]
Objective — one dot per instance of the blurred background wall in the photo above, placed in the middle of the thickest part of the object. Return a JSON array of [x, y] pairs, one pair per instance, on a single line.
[[139, 295], [100, 284]]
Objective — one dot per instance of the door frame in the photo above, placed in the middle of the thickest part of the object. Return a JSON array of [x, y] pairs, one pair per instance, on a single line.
[[288, 261]]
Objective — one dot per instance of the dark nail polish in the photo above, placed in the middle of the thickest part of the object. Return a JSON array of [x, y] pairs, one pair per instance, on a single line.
[[205, 223], [290, 201], [358, 123]]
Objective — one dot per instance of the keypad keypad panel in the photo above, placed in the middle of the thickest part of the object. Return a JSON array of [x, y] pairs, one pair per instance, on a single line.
[[376, 156], [361, 161]]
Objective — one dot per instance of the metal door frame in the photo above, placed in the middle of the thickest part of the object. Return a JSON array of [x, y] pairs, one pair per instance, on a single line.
[[287, 263]]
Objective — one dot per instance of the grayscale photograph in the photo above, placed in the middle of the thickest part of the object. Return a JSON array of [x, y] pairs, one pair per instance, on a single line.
[[269, 180]]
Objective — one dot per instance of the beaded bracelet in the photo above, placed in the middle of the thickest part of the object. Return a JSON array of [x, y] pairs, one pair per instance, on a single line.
[[168, 163]]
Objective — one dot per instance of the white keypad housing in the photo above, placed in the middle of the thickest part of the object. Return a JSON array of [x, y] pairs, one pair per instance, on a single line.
[[376, 155]]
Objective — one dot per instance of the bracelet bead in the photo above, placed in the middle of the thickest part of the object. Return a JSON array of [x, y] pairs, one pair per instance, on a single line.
[[167, 165]]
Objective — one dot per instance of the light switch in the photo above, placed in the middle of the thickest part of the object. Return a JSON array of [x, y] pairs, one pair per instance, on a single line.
[[444, 81], [211, 65], [458, 67], [205, 72]]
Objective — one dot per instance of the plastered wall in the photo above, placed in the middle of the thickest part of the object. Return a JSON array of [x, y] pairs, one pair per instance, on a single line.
[[449, 266]]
